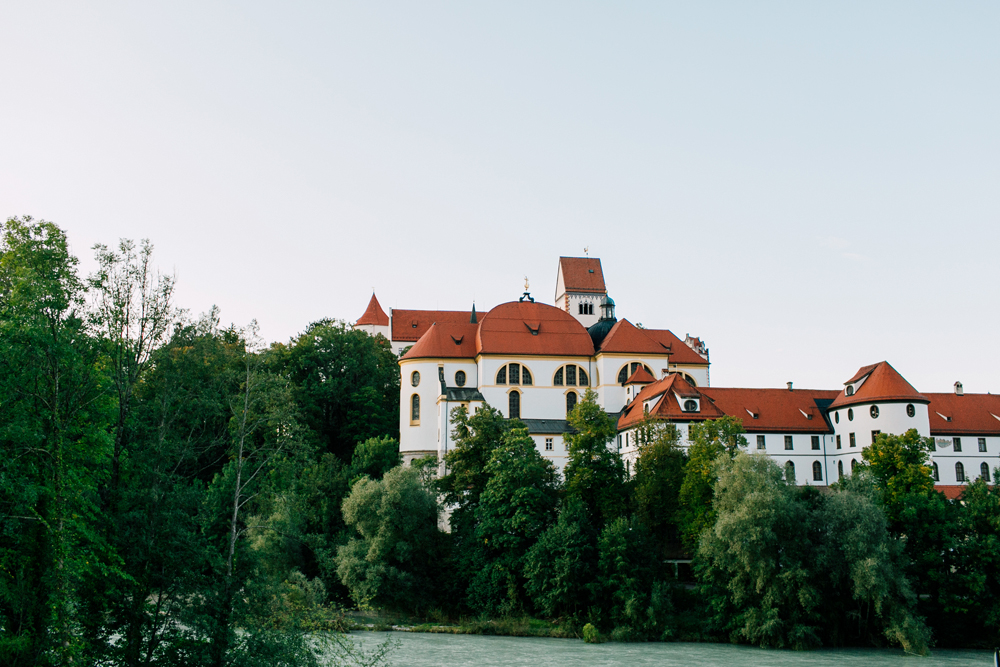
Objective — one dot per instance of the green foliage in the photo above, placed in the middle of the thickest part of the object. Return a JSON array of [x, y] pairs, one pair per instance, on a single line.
[[709, 440], [777, 557], [559, 567], [900, 467], [375, 457], [346, 384], [595, 473], [517, 505], [659, 474], [591, 635], [392, 561]]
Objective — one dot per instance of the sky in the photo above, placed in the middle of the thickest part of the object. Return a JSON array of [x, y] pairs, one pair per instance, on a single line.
[[808, 187]]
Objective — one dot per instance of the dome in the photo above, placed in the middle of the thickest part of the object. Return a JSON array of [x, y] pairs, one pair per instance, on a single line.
[[525, 327]]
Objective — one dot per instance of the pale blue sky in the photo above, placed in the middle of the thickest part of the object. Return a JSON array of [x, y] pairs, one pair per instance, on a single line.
[[808, 187]]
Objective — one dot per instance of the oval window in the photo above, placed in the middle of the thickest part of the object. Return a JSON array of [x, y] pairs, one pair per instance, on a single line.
[[415, 378], [910, 410], [874, 412], [690, 406], [460, 378], [836, 417], [850, 414], [850, 390]]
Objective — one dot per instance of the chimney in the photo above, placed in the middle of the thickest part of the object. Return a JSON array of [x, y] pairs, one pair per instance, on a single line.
[[958, 389], [789, 386]]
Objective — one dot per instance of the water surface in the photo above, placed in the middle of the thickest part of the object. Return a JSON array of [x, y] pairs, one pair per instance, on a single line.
[[441, 650]]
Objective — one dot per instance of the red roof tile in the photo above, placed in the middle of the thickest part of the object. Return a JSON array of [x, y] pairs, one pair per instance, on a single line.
[[582, 274], [626, 337], [969, 413], [665, 392], [775, 409], [680, 353], [883, 383], [951, 491], [641, 376], [446, 340], [374, 315], [411, 324], [528, 328]]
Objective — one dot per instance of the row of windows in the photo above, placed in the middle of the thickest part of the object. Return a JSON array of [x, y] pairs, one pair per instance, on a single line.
[[513, 405], [585, 309], [817, 468], [911, 411], [789, 442], [956, 444], [569, 375]]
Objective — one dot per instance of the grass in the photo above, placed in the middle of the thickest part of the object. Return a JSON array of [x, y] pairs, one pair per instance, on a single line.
[[523, 626]]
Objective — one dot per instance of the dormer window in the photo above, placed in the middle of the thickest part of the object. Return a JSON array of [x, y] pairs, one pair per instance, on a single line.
[[850, 390], [690, 405]]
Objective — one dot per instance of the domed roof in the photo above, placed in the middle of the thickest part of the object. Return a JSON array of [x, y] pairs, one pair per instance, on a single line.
[[607, 301], [524, 327], [599, 331]]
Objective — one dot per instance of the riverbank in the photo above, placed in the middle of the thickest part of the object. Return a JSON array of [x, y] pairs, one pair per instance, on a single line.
[[504, 627]]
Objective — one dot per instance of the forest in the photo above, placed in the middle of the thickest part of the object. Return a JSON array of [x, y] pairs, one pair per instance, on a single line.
[[175, 491]]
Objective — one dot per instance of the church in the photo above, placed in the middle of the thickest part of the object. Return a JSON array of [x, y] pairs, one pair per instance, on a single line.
[[534, 361]]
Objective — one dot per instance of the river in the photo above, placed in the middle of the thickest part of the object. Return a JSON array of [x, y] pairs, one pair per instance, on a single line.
[[443, 650]]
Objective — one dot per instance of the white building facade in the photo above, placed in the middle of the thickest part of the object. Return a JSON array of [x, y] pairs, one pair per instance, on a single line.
[[534, 362]]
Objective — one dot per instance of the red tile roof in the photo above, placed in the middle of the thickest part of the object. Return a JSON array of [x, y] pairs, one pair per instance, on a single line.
[[951, 491], [969, 413], [582, 274], [446, 340], [883, 383], [626, 337], [665, 392], [641, 376], [374, 315], [411, 324], [528, 328], [680, 353], [775, 409]]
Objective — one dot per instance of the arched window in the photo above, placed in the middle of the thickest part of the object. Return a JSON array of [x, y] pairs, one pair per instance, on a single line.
[[873, 411], [850, 414], [513, 374], [460, 378], [514, 405], [790, 471], [817, 472], [571, 376], [959, 472], [415, 378], [689, 379], [628, 369], [910, 410], [934, 472], [415, 408], [984, 472], [854, 465], [570, 401], [840, 469]]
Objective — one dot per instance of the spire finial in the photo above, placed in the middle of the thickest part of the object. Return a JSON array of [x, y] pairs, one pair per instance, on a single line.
[[526, 283], [586, 251]]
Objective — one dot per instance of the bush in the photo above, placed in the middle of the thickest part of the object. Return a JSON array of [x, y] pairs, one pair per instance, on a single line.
[[591, 635]]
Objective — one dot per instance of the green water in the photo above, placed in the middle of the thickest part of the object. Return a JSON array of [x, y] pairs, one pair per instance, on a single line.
[[440, 650]]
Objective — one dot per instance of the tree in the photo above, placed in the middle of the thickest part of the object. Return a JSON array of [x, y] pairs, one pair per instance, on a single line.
[[899, 466], [375, 457], [392, 562], [133, 313], [346, 384], [709, 440], [559, 568], [53, 434], [517, 506], [659, 474], [595, 473]]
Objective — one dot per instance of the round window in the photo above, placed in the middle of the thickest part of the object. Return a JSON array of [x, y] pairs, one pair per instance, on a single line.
[[850, 414], [874, 412], [415, 378], [690, 406], [910, 410], [836, 417], [460, 378]]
